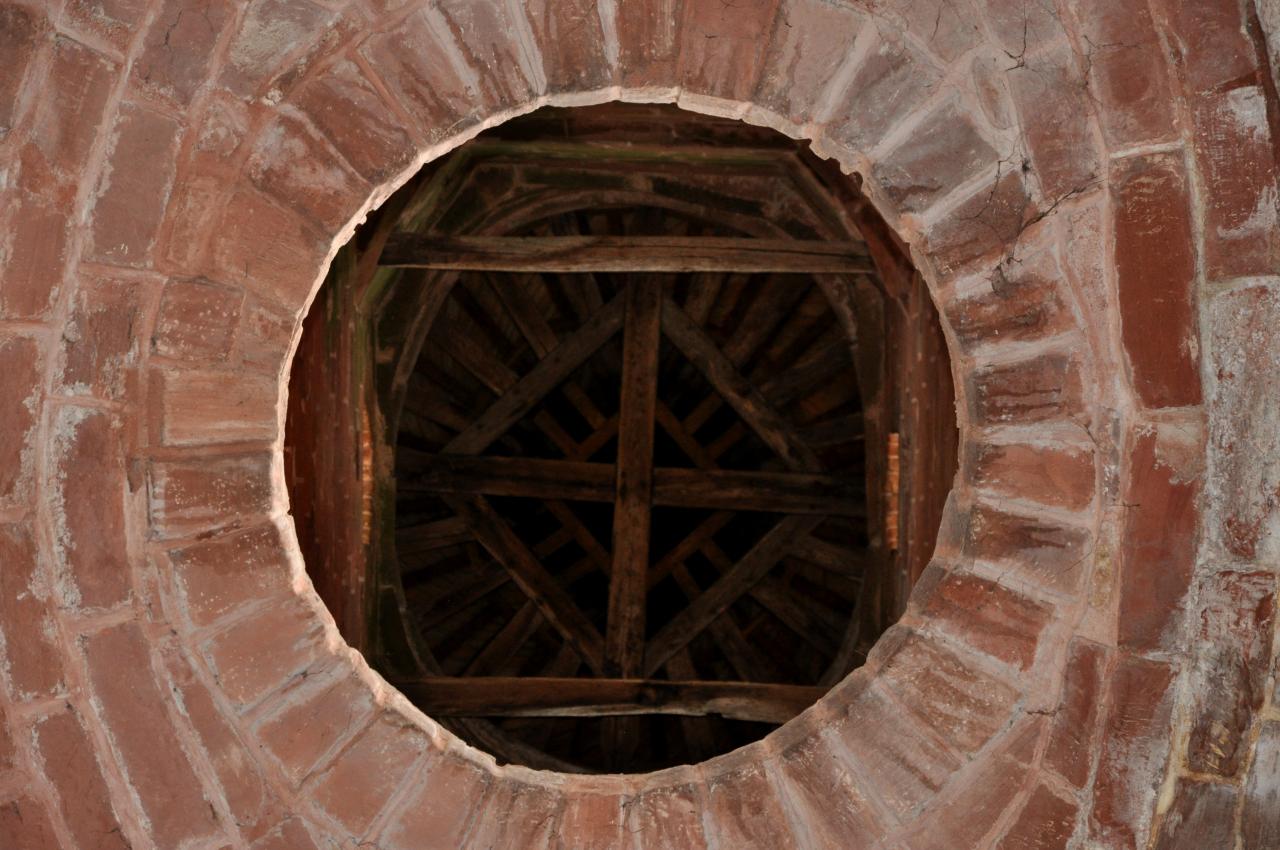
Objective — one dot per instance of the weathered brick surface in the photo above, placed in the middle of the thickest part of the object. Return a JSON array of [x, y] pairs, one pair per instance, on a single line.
[[1260, 825], [25, 823], [984, 228], [889, 83], [245, 672], [743, 808], [358, 784], [423, 823], [197, 320], [1038, 550], [667, 819], [282, 268], [1202, 815], [1047, 822], [190, 497], [570, 36], [218, 576], [178, 50], [30, 639], [1045, 387], [725, 61], [19, 401], [294, 163], [268, 32], [810, 40], [74, 771], [27, 30], [518, 815], [201, 408], [826, 798], [988, 617], [1062, 476], [101, 345], [316, 722], [1070, 748], [492, 36], [1020, 303], [946, 150]]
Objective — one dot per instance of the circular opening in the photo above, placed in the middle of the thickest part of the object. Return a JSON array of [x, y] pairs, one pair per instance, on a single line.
[[618, 435]]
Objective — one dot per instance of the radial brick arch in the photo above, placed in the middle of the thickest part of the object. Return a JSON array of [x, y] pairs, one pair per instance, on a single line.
[[171, 680]]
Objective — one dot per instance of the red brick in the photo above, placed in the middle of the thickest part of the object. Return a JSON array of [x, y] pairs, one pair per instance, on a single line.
[[26, 31], [357, 786], [949, 28], [419, 67], [743, 810], [301, 735], [1021, 303], [1260, 824], [1203, 815], [19, 399], [289, 835], [293, 163], [439, 814], [1158, 545], [132, 704], [30, 643], [191, 222], [283, 268], [204, 408], [825, 796], [134, 189], [1042, 388], [810, 41], [351, 114], [648, 41], [267, 339], [282, 641], [518, 816], [1070, 748], [890, 83], [221, 575], [178, 50], [593, 819], [24, 823], [1209, 41], [1242, 325], [114, 21], [489, 35], [33, 262], [988, 617], [722, 56], [1237, 618], [667, 819], [1062, 476], [70, 112], [1134, 751], [571, 38], [1155, 263], [1055, 111], [100, 344], [219, 133], [1047, 822], [1236, 156], [1126, 66], [1037, 550], [943, 152], [1023, 26], [904, 770], [269, 34], [195, 496], [8, 757], [198, 320], [979, 232], [88, 490], [73, 770]]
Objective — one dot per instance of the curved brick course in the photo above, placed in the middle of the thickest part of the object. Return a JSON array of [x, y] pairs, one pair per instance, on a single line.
[[1090, 190]]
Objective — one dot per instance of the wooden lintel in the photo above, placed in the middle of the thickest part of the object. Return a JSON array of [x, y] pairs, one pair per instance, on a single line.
[[661, 254], [501, 696]]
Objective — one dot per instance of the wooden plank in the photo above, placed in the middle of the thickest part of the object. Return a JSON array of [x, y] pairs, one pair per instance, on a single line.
[[714, 489], [690, 622], [661, 254], [555, 604], [528, 317], [516, 402], [741, 395], [503, 696], [833, 557], [624, 636]]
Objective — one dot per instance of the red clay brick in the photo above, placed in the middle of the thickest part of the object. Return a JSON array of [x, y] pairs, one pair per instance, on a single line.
[[34, 260], [19, 399], [1158, 546], [88, 489], [725, 62], [988, 617], [943, 152], [1037, 550], [283, 268], [1023, 26], [1212, 48], [981, 230], [1155, 262], [358, 784], [648, 41], [302, 734], [73, 770], [1042, 388], [666, 819], [948, 27], [198, 320], [26, 31], [25, 823], [1070, 748], [191, 222], [194, 496], [1126, 66], [890, 83], [29, 634], [293, 163], [114, 21], [219, 576], [1023, 303], [133, 708], [488, 34], [351, 114], [571, 38], [289, 835], [267, 338], [1260, 824], [69, 116], [204, 408], [1237, 618], [1202, 815], [178, 50], [282, 641], [810, 40], [1062, 476], [100, 345], [595, 819], [1134, 750], [518, 816], [269, 32], [827, 799], [426, 821], [743, 809], [1047, 822]]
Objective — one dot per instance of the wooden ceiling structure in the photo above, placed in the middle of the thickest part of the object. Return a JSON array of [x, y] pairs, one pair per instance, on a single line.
[[618, 435]]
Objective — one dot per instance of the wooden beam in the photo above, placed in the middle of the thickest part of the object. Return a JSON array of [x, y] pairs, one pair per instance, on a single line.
[[714, 489], [502, 696], [690, 622], [662, 254], [739, 392]]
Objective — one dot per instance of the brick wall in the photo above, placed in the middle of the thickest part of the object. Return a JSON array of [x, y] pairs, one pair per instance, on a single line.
[[1090, 190]]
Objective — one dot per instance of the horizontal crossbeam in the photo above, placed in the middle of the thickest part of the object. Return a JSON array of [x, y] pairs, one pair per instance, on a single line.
[[566, 254], [501, 696]]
